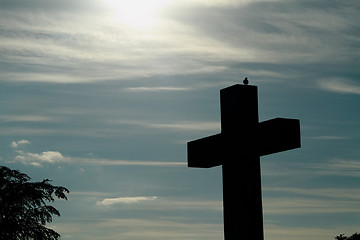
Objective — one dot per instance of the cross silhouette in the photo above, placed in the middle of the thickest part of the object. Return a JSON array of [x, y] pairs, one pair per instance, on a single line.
[[238, 149]]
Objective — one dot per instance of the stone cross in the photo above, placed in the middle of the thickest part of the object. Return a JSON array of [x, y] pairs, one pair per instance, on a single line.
[[238, 149]]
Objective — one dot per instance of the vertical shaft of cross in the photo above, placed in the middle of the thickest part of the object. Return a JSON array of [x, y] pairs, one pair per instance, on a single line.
[[242, 200]]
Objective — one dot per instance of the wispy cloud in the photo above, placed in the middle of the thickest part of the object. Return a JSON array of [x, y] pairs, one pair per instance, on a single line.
[[338, 166], [127, 200], [119, 162], [339, 85], [328, 137], [42, 47], [333, 193], [175, 126], [155, 89], [55, 157], [161, 204], [24, 118], [310, 200], [52, 48], [187, 125], [128, 228], [333, 167], [277, 232], [303, 206], [187, 204]]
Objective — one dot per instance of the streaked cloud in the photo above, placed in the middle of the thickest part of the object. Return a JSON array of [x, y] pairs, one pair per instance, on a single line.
[[333, 167], [127, 200], [278, 232], [119, 162], [161, 204], [212, 3], [301, 206], [175, 126], [187, 126], [339, 85], [338, 166], [55, 157], [114, 53], [189, 204], [327, 137], [24, 118], [43, 48], [333, 193], [154, 89], [311, 201], [135, 228]]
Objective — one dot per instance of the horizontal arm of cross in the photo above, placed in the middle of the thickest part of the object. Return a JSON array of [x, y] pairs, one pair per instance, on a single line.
[[278, 135], [272, 136], [205, 152]]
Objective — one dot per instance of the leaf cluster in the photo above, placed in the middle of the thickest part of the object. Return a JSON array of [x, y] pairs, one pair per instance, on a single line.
[[24, 208], [355, 236]]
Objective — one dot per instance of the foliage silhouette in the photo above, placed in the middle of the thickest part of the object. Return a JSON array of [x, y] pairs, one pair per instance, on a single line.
[[24, 211], [355, 236]]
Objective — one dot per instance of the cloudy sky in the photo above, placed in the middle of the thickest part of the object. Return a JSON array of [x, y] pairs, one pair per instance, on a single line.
[[102, 95]]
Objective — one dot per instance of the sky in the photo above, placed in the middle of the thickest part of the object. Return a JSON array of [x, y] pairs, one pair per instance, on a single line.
[[101, 96]]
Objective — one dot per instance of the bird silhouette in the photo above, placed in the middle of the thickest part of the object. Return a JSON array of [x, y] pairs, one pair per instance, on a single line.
[[246, 81]]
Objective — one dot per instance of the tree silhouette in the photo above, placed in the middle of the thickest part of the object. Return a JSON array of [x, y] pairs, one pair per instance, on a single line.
[[24, 211], [355, 236]]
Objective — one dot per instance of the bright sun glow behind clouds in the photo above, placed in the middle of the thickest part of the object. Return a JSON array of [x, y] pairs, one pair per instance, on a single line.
[[137, 14]]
